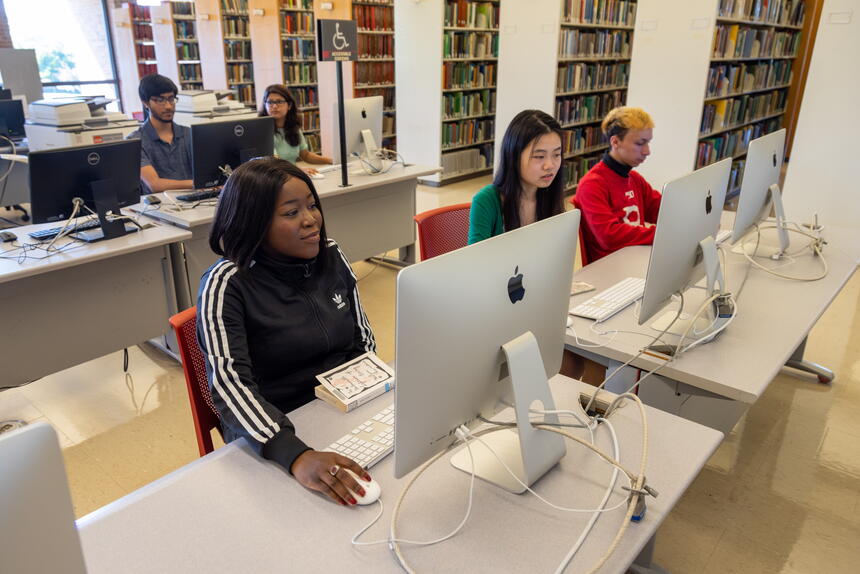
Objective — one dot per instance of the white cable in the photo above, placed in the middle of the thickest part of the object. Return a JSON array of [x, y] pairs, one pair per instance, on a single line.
[[815, 245], [77, 207]]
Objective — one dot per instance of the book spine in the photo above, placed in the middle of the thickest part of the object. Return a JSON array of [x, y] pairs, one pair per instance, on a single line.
[[357, 402]]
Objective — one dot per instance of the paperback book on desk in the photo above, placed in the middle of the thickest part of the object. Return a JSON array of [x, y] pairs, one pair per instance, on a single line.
[[355, 382]]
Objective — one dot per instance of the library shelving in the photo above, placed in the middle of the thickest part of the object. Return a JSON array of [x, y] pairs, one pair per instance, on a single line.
[[594, 56], [373, 74], [238, 59], [144, 43], [755, 43], [189, 70], [297, 28]]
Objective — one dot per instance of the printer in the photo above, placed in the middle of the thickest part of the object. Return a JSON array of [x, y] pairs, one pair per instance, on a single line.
[[75, 121], [200, 106]]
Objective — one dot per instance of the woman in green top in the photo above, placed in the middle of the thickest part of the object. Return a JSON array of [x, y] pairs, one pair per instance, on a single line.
[[290, 143], [528, 184]]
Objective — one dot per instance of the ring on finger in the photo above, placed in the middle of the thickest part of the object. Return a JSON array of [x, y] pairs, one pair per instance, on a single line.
[[334, 469]]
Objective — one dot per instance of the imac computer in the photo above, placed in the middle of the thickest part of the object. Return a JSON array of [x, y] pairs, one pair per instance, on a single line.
[[363, 127], [37, 520], [12, 119], [217, 148], [760, 190], [478, 327], [105, 176], [684, 248]]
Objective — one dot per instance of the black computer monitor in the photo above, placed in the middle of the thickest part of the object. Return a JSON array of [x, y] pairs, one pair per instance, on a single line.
[[215, 145], [57, 176], [12, 119]]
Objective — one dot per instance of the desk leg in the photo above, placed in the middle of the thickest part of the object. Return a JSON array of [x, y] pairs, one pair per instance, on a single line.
[[796, 361], [644, 563]]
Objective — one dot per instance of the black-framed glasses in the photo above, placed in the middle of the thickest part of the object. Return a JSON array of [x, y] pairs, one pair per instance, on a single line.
[[274, 103], [162, 100]]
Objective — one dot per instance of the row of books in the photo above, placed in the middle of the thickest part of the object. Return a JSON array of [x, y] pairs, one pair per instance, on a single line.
[[146, 69], [240, 73], [305, 96], [785, 12], [737, 111], [245, 93], [467, 160], [299, 49], [470, 44], [297, 23], [373, 17], [386, 93], [313, 142], [613, 12], [575, 43], [140, 12], [185, 29], [234, 6], [467, 132], [589, 108], [735, 177], [144, 52], [310, 119], [370, 73], [469, 14], [731, 79], [237, 50], [738, 41], [235, 27], [376, 46], [732, 143], [182, 8], [298, 4], [300, 73], [388, 124], [142, 32], [579, 139], [575, 77], [190, 73], [572, 170], [464, 104], [468, 75], [188, 51]]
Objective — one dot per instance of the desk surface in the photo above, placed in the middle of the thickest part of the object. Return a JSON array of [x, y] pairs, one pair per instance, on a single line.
[[774, 317], [231, 511], [10, 269], [326, 188]]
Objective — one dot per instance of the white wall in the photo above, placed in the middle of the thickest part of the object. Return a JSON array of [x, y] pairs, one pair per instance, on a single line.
[[668, 76], [528, 60], [822, 173]]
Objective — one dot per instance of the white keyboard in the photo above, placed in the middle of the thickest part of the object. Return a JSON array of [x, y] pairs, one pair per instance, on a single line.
[[336, 167], [607, 303], [369, 442]]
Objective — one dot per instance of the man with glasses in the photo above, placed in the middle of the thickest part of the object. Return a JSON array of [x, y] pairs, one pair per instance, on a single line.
[[165, 150]]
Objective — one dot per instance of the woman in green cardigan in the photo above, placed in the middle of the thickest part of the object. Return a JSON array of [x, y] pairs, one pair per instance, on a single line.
[[528, 184]]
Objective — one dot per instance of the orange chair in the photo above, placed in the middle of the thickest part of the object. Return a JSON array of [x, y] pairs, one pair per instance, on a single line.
[[193, 363], [442, 230], [583, 252]]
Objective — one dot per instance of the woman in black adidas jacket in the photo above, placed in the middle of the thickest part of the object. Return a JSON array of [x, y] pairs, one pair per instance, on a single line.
[[280, 307]]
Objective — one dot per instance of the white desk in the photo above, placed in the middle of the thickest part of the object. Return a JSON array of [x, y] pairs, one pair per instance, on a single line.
[[233, 512], [371, 216], [83, 303], [775, 315]]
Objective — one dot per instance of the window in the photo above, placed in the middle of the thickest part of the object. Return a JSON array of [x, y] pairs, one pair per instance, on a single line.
[[72, 45]]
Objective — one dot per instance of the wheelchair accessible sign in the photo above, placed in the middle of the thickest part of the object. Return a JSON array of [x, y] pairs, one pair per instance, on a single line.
[[337, 41]]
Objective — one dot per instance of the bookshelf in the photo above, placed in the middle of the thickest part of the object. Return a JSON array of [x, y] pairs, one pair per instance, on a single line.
[[373, 74], [144, 42], [594, 57], [238, 61], [750, 72], [190, 72], [297, 29]]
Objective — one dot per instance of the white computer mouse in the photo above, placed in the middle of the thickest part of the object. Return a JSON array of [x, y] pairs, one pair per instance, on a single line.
[[372, 490], [317, 175]]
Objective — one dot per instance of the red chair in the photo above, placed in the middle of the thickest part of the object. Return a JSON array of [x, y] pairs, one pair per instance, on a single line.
[[583, 252], [193, 363], [442, 230]]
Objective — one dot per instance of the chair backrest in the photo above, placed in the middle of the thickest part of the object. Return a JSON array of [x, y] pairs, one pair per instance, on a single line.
[[193, 363], [583, 252], [443, 229]]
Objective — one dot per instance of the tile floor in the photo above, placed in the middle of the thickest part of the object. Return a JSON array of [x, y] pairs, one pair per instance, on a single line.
[[781, 495]]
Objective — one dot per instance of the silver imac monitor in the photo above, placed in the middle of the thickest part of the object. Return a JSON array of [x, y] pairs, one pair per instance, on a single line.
[[37, 520], [760, 190], [684, 248], [363, 125], [476, 329]]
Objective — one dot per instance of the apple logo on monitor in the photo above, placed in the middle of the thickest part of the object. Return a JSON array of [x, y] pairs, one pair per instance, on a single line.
[[774, 159], [363, 114], [708, 206], [516, 291]]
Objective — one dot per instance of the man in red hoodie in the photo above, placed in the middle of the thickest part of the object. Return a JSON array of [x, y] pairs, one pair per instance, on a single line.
[[619, 208]]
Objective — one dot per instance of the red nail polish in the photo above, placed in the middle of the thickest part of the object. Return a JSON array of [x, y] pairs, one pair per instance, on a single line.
[[367, 477], [361, 492], [352, 500]]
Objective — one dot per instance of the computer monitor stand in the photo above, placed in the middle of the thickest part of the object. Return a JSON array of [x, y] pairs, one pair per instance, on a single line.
[[766, 249], [107, 206], [717, 313], [528, 451], [371, 150]]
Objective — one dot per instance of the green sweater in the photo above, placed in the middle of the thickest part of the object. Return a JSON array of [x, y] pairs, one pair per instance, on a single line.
[[284, 150], [485, 216]]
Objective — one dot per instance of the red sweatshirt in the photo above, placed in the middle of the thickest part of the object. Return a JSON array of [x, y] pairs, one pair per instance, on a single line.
[[615, 208]]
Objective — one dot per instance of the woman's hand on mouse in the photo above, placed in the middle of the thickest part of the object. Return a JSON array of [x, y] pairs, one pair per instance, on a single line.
[[325, 472], [310, 171]]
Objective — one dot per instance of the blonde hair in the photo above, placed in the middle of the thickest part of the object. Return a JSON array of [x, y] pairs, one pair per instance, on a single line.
[[620, 120]]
